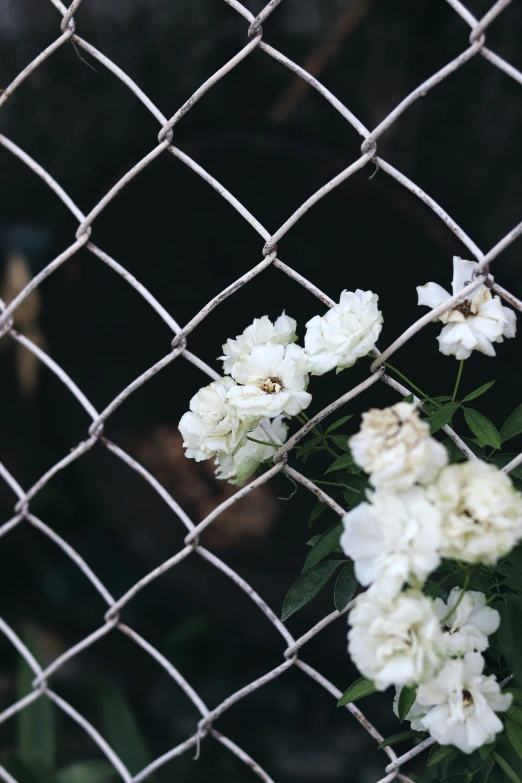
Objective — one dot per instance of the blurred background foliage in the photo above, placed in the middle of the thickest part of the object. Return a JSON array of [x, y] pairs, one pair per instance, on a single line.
[[272, 143]]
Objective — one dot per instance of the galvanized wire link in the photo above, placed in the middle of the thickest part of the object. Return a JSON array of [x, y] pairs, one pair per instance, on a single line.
[[291, 649]]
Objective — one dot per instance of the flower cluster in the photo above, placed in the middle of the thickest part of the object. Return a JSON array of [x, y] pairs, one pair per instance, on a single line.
[[419, 511], [239, 419], [473, 324]]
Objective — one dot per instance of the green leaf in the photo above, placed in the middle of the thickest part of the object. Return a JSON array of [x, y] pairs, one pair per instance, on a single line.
[[338, 423], [478, 392], [394, 738], [513, 425], [509, 637], [514, 712], [485, 750], [119, 727], [504, 766], [357, 690], [356, 487], [316, 513], [35, 724], [442, 416], [88, 772], [344, 462], [406, 699], [483, 428], [24, 772], [514, 735], [514, 599], [440, 753], [341, 441], [306, 447], [325, 544], [408, 398], [307, 587], [345, 587]]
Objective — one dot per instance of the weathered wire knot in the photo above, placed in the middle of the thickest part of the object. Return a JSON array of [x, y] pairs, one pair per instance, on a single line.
[[83, 231], [6, 327], [22, 507], [166, 134], [477, 36], [68, 24], [255, 29], [191, 539], [369, 146], [39, 682], [96, 429], [179, 341], [270, 248], [112, 615]]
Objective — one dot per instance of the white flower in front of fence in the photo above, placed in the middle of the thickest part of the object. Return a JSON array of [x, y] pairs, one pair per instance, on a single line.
[[481, 512], [238, 467], [473, 324], [212, 425], [393, 539], [395, 641], [272, 380], [463, 704], [261, 332], [395, 448], [469, 621], [347, 332]]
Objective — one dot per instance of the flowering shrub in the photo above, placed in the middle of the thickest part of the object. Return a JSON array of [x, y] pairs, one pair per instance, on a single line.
[[432, 535]]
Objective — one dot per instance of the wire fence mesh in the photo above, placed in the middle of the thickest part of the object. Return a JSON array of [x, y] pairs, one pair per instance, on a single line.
[[111, 623]]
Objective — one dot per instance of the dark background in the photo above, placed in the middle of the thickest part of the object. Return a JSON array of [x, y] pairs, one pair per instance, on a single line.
[[272, 148]]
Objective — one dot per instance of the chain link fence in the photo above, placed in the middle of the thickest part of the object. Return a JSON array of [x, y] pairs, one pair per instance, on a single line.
[[294, 649]]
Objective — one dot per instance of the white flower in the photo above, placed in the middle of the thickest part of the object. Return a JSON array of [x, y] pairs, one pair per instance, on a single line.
[[481, 512], [393, 539], [463, 704], [212, 425], [395, 447], [348, 331], [395, 641], [260, 332], [238, 467], [473, 324], [274, 381], [468, 627], [414, 715]]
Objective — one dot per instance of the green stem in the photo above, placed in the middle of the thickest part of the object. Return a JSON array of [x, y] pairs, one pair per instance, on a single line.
[[304, 419], [461, 596], [264, 442], [328, 483], [457, 382], [404, 378]]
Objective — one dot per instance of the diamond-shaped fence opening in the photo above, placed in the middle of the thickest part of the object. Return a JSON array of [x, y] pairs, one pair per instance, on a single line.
[[294, 654]]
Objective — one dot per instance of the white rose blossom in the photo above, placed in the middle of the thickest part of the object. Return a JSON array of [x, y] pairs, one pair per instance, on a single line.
[[238, 467], [416, 712], [473, 324], [393, 539], [260, 332], [212, 425], [467, 628], [274, 381], [395, 448], [395, 641], [461, 704], [481, 512], [348, 331]]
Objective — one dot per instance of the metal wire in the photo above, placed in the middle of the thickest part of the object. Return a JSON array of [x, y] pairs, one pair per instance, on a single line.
[[292, 650]]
